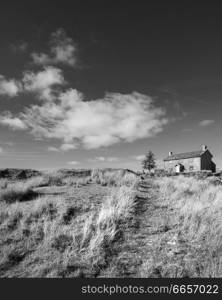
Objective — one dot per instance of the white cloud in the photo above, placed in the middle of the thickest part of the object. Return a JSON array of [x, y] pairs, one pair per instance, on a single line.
[[1, 150], [62, 51], [40, 83], [73, 162], [97, 123], [53, 149], [139, 157], [14, 123], [10, 87], [112, 159], [104, 159], [100, 158], [205, 123], [67, 147], [43, 81]]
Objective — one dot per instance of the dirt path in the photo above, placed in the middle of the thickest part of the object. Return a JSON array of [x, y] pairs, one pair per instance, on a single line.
[[152, 239]]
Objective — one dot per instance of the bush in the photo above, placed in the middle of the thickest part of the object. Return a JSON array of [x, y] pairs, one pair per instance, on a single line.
[[17, 192]]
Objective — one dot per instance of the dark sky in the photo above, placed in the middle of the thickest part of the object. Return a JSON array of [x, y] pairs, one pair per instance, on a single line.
[[169, 50]]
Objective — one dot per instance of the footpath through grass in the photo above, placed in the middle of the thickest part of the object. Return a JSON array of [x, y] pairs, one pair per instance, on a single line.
[[176, 231], [111, 226]]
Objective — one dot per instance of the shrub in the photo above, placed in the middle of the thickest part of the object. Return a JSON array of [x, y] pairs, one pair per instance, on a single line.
[[69, 214], [17, 192]]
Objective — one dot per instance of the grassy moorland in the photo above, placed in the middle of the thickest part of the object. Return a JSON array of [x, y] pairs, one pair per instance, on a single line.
[[110, 224], [58, 226]]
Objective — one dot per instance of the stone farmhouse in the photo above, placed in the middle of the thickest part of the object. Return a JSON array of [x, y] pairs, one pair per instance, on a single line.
[[190, 161]]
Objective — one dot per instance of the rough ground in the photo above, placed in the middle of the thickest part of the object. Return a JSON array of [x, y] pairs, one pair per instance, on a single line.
[[25, 258], [153, 245], [151, 242]]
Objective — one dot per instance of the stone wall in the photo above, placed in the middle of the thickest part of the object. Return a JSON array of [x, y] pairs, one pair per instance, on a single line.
[[190, 164]]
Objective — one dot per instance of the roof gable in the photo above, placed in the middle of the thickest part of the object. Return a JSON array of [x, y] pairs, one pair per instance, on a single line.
[[185, 155]]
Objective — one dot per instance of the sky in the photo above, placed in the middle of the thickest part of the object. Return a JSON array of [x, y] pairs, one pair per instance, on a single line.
[[87, 84]]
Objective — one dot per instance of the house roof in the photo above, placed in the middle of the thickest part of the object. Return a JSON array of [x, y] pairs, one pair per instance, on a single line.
[[192, 154]]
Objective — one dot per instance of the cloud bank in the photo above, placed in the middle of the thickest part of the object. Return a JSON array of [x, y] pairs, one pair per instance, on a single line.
[[91, 124], [15, 123]]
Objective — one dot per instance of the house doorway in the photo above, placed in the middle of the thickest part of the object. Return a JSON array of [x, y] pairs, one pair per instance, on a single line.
[[179, 168]]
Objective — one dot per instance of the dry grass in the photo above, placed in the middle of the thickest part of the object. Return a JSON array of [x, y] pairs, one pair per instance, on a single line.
[[101, 231], [76, 181], [84, 227], [60, 236], [198, 215], [113, 177]]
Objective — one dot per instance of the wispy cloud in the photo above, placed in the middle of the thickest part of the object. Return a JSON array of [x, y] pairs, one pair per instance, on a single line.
[[64, 147], [205, 123], [1, 150], [14, 123], [67, 147], [62, 51], [9, 87], [53, 149], [19, 47], [139, 157], [104, 159], [73, 162]]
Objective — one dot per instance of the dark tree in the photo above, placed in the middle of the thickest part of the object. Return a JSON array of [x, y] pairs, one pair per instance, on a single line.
[[149, 162]]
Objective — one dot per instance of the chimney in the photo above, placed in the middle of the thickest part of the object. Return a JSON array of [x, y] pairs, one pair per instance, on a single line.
[[204, 147], [170, 153]]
